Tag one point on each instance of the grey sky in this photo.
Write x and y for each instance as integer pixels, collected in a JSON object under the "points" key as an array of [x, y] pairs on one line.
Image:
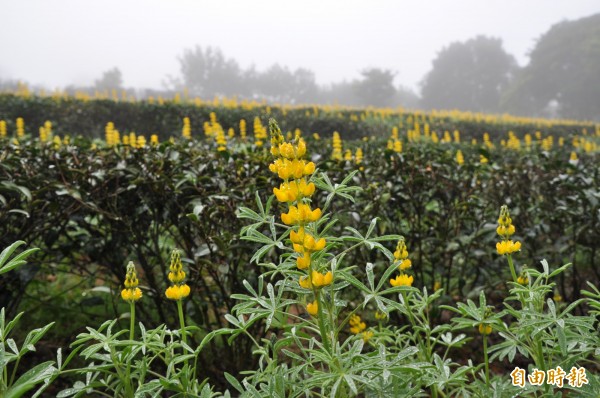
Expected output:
{"points": [[61, 42]]}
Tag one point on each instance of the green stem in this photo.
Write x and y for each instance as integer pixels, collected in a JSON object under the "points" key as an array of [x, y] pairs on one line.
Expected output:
{"points": [[321, 320], [131, 334], [512, 268], [434, 392], [132, 322], [126, 381], [14, 372], [541, 360], [487, 363], [182, 327], [181, 321]]}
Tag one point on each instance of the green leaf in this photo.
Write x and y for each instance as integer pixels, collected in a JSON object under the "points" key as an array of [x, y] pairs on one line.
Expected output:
{"points": [[233, 381], [31, 378]]}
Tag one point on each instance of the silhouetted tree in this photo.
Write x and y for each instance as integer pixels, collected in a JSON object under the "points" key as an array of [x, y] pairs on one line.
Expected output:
{"points": [[208, 73], [564, 69], [376, 87], [110, 80], [469, 76], [406, 97]]}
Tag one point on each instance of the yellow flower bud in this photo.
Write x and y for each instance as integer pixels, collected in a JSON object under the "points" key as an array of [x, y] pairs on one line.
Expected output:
{"points": [[313, 308], [303, 261], [485, 329]]}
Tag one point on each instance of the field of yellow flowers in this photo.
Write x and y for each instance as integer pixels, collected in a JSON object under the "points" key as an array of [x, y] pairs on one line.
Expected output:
{"points": [[190, 248]]}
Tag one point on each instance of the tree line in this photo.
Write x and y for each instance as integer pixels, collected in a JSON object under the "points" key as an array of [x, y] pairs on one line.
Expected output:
{"points": [[478, 75]]}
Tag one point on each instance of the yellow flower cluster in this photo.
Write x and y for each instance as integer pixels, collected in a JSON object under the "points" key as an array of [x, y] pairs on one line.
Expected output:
{"points": [[243, 129], [295, 190], [131, 292], [460, 159], [336, 143], [357, 326], [485, 329], [221, 140], [154, 139], [358, 156], [506, 229], [20, 127], [401, 256], [348, 155], [112, 135], [260, 132], [178, 290], [2, 128], [186, 131]]}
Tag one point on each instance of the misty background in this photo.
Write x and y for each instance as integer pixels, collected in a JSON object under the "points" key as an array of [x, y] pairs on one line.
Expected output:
{"points": [[535, 58]]}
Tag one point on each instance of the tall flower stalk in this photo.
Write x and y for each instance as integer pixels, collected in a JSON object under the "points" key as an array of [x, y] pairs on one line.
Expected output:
{"points": [[296, 191], [131, 294], [506, 246]]}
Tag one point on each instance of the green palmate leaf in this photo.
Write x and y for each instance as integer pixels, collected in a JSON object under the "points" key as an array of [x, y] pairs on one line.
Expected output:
{"points": [[31, 378]]}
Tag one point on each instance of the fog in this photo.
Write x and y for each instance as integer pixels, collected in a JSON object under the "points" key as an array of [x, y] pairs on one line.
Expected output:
{"points": [[67, 42]]}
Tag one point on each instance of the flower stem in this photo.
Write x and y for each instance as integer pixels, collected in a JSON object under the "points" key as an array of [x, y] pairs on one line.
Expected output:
{"points": [[487, 362], [181, 321], [131, 336], [321, 320], [512, 267], [132, 320], [182, 327]]}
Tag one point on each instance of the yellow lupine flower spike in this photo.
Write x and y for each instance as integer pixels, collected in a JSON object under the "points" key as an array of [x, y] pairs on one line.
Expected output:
{"points": [[131, 292], [506, 229], [176, 275]]}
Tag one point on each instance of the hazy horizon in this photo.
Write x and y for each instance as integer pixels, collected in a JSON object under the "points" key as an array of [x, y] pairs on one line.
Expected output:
{"points": [[66, 42]]}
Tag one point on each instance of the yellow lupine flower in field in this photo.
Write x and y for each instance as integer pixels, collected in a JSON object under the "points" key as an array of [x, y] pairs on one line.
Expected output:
{"points": [[292, 191], [358, 156], [348, 155], [186, 130], [460, 159], [311, 244], [176, 275], [508, 247], [485, 329], [304, 282], [356, 324], [312, 308], [303, 262], [506, 229], [177, 292], [2, 128], [20, 127], [402, 280], [573, 157], [319, 280], [154, 139], [401, 252], [300, 214], [296, 168], [131, 292]]}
